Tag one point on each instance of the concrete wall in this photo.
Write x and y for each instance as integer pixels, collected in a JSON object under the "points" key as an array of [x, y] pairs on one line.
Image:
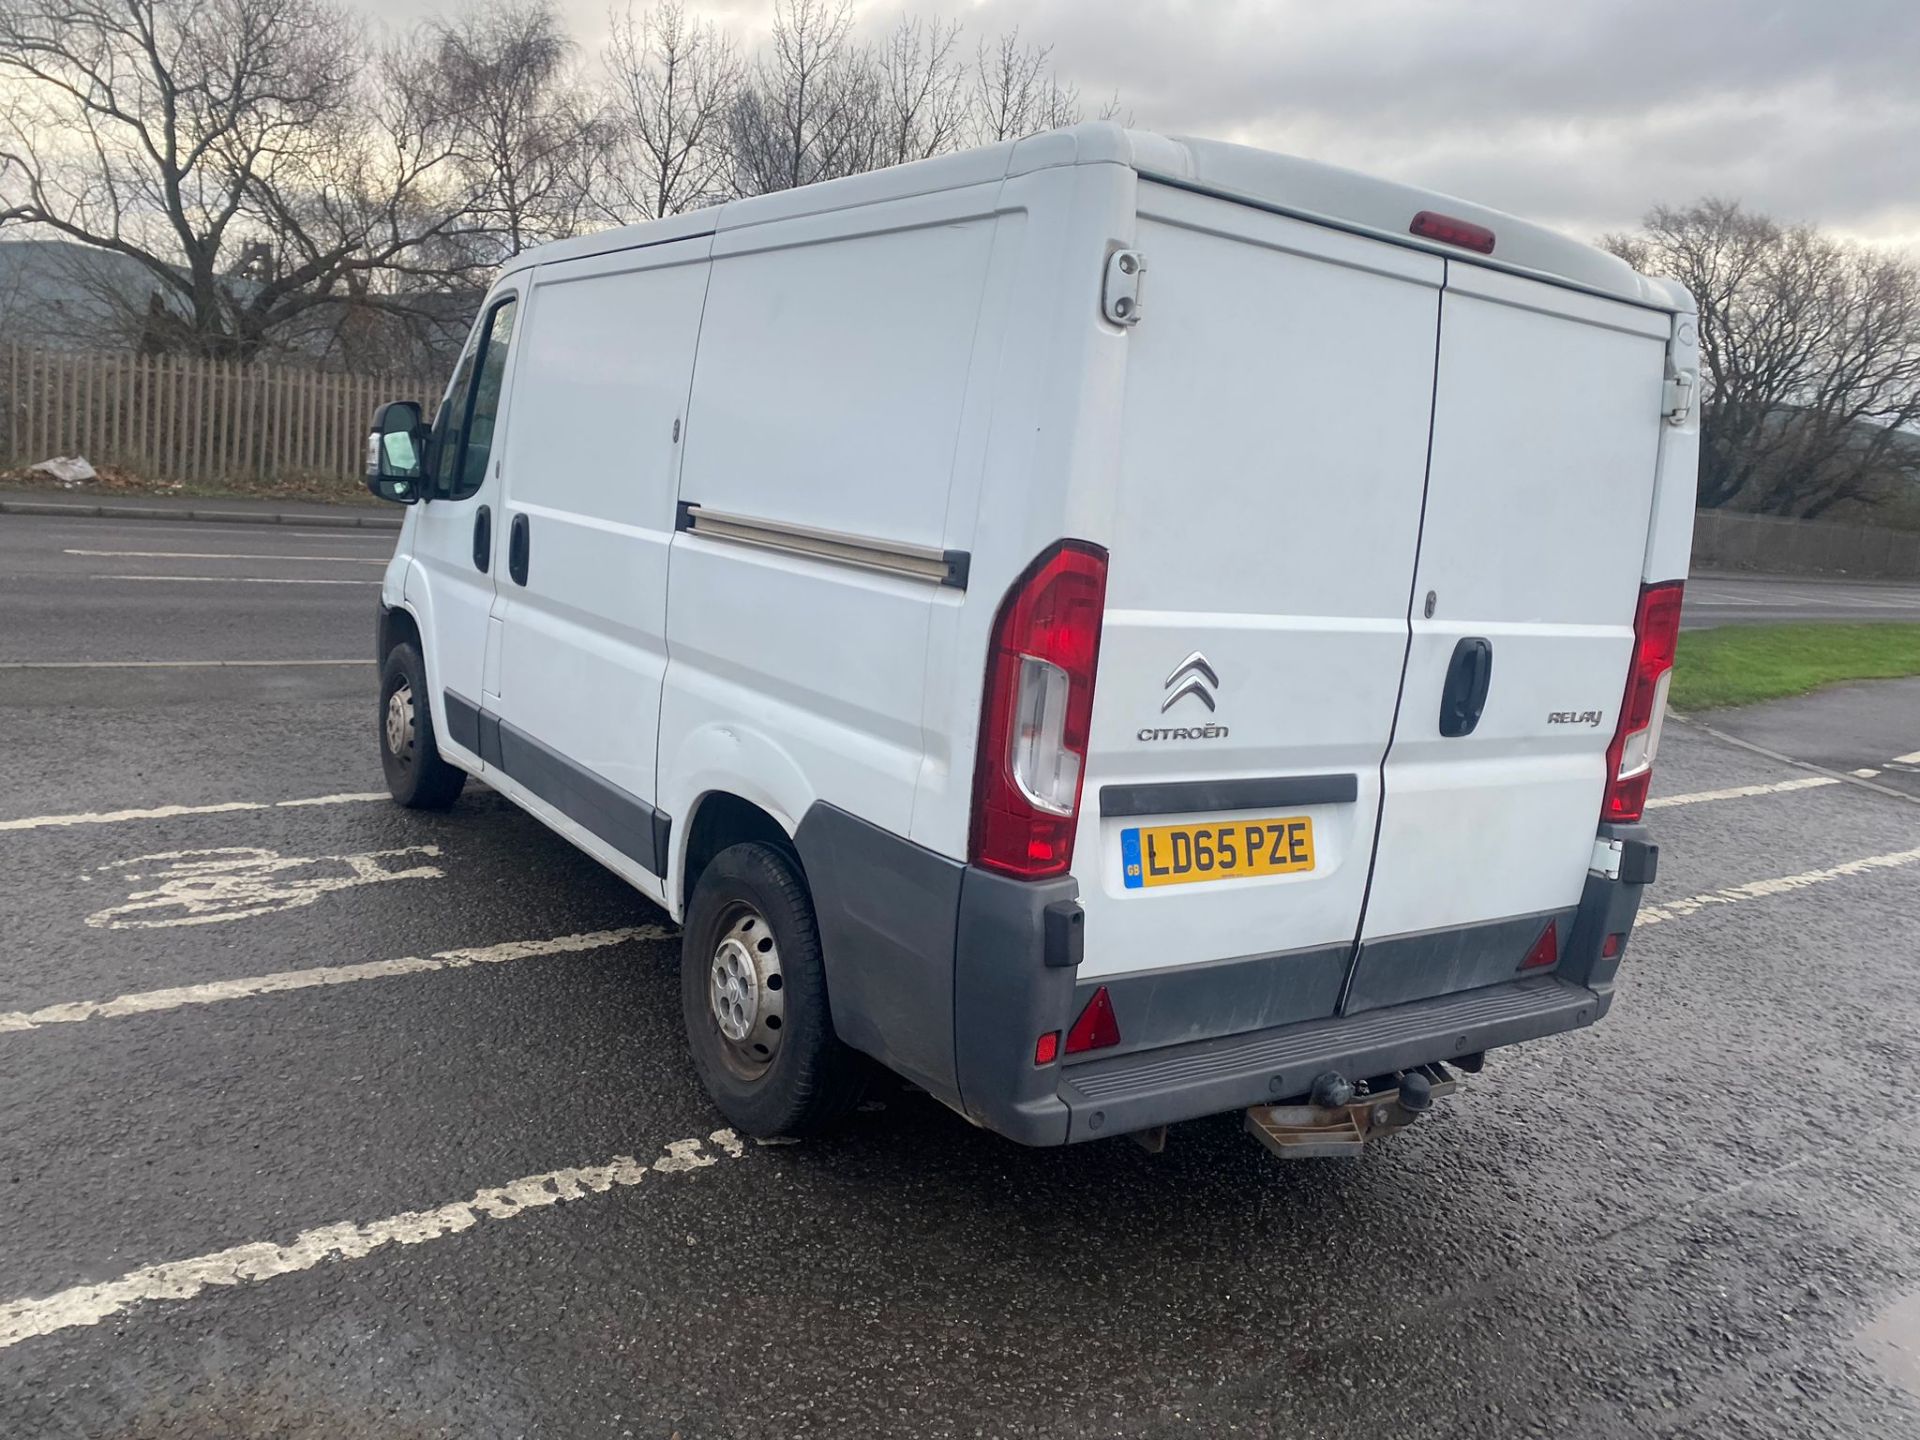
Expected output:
{"points": [[1724, 540]]}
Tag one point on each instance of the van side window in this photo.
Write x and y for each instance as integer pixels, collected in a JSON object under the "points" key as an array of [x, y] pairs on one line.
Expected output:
{"points": [[463, 440]]}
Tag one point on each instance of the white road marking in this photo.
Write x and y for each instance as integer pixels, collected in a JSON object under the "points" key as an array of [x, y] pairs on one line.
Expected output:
{"points": [[1741, 792], [1913, 759], [173, 531], [168, 812], [221, 555], [232, 580], [236, 882], [27, 1318], [214, 992], [1782, 885], [168, 665], [1866, 773]]}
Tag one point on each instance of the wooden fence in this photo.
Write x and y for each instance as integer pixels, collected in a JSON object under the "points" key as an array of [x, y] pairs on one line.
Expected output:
{"points": [[179, 418]]}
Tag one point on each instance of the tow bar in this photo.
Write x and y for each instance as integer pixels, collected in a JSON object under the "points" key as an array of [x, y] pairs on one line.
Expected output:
{"points": [[1340, 1117]]}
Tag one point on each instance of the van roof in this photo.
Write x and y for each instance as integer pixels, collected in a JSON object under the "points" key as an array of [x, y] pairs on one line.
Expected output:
{"points": [[1287, 184]]}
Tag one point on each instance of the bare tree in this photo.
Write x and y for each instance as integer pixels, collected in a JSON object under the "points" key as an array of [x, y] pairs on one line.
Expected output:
{"points": [[810, 106], [222, 146], [526, 132], [1016, 92], [922, 91], [1811, 348], [673, 84], [270, 177]]}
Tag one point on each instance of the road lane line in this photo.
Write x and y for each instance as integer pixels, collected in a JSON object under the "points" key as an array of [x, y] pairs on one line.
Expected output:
{"points": [[214, 992], [1913, 759], [169, 812], [222, 555], [167, 664], [1740, 792], [81, 1305], [232, 580], [1782, 885]]}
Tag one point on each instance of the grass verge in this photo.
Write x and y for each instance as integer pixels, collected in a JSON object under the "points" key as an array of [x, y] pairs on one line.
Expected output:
{"points": [[1742, 664]]}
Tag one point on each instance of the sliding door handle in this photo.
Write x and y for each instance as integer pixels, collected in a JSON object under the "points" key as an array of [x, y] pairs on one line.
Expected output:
{"points": [[519, 543], [483, 538]]}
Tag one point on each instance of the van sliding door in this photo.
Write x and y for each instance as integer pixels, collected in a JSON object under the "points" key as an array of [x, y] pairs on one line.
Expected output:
{"points": [[591, 473]]}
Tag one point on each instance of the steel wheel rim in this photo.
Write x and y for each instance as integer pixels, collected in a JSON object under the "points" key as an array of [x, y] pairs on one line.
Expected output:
{"points": [[746, 992], [400, 722]]}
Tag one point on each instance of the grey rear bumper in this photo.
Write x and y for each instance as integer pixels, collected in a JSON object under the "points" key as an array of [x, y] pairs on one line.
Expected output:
{"points": [[1181, 1082], [949, 975]]}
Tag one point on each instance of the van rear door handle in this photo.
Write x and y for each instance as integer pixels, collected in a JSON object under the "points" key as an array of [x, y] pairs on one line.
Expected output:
{"points": [[483, 538], [1469, 676], [519, 541]]}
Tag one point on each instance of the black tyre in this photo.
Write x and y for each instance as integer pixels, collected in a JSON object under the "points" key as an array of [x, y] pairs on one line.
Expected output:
{"points": [[416, 775], [753, 992]]}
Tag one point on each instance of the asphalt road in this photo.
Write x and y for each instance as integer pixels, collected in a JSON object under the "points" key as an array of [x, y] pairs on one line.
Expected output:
{"points": [[356, 1170], [1868, 732], [1761, 599]]}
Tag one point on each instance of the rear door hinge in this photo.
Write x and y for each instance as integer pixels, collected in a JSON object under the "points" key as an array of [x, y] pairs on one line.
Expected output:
{"points": [[1120, 296], [1676, 397]]}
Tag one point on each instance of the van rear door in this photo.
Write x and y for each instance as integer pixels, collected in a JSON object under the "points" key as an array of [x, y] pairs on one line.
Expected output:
{"points": [[1263, 545], [1546, 431]]}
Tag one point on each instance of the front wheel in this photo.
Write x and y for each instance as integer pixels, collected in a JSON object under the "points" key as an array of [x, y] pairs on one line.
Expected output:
{"points": [[417, 776], [753, 992]]}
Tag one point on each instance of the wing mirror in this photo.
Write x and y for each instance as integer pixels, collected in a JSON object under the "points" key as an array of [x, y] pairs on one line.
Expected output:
{"points": [[397, 453]]}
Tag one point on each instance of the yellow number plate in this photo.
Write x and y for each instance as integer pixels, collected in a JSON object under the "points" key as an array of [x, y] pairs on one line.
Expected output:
{"points": [[1216, 850]]}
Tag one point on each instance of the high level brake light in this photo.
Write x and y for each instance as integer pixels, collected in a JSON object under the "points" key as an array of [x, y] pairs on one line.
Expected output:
{"points": [[1656, 633], [1432, 225], [1037, 712]]}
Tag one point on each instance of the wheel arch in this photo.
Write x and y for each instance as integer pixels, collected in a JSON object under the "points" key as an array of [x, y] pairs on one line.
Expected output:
{"points": [[721, 818], [397, 625]]}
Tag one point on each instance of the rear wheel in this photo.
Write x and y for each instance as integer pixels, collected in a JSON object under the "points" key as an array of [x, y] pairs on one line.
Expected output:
{"points": [[753, 991], [409, 754]]}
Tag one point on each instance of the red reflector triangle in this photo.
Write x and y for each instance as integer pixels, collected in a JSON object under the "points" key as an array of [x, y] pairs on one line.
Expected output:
{"points": [[1096, 1029], [1545, 950]]}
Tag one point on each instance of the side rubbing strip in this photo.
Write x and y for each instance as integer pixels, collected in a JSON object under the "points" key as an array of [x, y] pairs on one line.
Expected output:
{"points": [[1192, 796], [626, 822], [463, 721], [889, 557]]}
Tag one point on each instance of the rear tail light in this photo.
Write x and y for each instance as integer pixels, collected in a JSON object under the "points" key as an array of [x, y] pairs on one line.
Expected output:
{"points": [[1046, 1049], [1037, 712], [1636, 741], [1097, 1028]]}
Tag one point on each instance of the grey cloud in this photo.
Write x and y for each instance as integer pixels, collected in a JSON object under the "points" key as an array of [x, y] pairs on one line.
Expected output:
{"points": [[1581, 113]]}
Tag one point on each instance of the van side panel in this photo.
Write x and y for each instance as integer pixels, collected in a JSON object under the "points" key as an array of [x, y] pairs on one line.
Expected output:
{"points": [[1037, 448], [834, 361]]}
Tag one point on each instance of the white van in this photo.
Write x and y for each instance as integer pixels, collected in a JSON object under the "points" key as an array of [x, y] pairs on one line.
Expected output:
{"points": [[1115, 629]]}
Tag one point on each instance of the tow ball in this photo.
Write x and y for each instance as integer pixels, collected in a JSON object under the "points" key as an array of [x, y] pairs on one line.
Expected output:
{"points": [[1340, 1117]]}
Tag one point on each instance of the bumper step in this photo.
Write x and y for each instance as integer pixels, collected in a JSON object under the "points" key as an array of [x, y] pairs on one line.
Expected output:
{"points": [[1158, 1087]]}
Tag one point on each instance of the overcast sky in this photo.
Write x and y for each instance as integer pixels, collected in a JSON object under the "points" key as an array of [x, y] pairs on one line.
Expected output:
{"points": [[1580, 113]]}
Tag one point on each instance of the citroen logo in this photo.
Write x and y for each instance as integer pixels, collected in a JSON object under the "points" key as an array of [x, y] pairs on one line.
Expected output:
{"points": [[1192, 676]]}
